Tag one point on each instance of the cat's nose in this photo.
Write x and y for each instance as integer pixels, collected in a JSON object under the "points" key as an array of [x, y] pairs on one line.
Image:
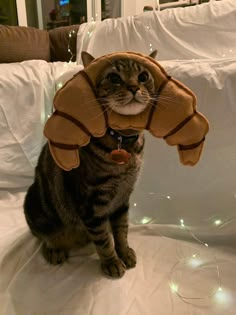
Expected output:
{"points": [[133, 89]]}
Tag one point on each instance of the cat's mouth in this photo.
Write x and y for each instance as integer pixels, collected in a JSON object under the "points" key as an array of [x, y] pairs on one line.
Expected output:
{"points": [[133, 107]]}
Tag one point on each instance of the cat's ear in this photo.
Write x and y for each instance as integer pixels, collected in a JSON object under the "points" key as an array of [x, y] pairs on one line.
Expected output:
{"points": [[153, 54], [86, 58]]}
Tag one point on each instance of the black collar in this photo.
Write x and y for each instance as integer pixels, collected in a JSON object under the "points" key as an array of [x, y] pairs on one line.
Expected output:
{"points": [[121, 138]]}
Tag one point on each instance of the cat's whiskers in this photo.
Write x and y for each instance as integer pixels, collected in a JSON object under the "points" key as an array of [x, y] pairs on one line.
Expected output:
{"points": [[106, 107], [161, 98], [162, 101]]}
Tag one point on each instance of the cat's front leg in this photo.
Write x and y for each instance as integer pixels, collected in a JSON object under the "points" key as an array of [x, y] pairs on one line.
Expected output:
{"points": [[98, 228], [119, 224]]}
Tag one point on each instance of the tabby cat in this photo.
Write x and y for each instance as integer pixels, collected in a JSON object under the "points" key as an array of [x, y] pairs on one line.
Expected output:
{"points": [[91, 202]]}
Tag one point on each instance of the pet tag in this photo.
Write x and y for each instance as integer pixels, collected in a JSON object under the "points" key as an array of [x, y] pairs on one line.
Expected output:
{"points": [[120, 156]]}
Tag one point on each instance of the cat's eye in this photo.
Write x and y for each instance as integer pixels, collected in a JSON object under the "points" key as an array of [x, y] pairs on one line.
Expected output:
{"points": [[143, 77], [114, 78]]}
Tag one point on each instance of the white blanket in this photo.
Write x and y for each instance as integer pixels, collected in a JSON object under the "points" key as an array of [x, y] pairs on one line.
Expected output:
{"points": [[26, 99], [171, 277], [168, 191], [203, 31]]}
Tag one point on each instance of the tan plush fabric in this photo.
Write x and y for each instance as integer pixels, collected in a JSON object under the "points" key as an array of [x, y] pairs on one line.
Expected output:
{"points": [[23, 43], [79, 116]]}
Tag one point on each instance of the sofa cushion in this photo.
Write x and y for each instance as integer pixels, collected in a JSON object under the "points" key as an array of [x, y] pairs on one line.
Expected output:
{"points": [[60, 42], [23, 43]]}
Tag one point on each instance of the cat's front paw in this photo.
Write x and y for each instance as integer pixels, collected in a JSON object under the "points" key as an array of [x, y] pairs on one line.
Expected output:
{"points": [[128, 257], [55, 256], [115, 268]]}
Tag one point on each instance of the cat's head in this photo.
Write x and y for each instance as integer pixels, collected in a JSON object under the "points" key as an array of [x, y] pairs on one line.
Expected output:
{"points": [[126, 86]]}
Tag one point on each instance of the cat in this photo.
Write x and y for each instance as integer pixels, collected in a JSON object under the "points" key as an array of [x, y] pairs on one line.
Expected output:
{"points": [[90, 203]]}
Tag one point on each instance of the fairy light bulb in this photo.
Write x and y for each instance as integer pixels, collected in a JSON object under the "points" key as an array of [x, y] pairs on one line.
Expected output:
{"points": [[174, 287], [218, 222], [222, 297], [59, 85], [195, 261], [146, 220], [182, 223]]}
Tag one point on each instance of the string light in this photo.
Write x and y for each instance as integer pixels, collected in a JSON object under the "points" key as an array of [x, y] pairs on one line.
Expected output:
{"points": [[195, 261], [182, 223], [72, 33], [146, 220], [219, 295], [59, 85], [159, 195], [222, 297], [174, 287], [191, 233], [148, 28], [218, 222]]}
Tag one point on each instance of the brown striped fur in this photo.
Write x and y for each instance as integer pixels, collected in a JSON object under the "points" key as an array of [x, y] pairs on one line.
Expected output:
{"points": [[64, 209]]}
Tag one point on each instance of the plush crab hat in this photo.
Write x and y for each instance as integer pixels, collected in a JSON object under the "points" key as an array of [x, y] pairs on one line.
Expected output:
{"points": [[73, 123]]}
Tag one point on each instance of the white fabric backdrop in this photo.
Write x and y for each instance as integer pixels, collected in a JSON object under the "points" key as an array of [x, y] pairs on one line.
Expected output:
{"points": [[204, 31], [168, 191], [30, 286], [26, 97]]}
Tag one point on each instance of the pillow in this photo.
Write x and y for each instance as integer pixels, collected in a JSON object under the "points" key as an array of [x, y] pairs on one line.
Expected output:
{"points": [[59, 41], [26, 94], [23, 43]]}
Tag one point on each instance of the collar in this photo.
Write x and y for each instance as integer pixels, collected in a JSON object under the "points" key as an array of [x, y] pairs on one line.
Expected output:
{"points": [[121, 138]]}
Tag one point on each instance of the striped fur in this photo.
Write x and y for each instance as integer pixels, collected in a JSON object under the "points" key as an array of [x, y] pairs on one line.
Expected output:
{"points": [[89, 203]]}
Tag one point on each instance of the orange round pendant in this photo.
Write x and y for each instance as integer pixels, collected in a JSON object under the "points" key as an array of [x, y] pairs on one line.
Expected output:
{"points": [[120, 156]]}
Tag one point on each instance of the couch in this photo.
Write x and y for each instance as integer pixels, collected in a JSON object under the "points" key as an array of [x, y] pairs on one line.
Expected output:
{"points": [[26, 43]]}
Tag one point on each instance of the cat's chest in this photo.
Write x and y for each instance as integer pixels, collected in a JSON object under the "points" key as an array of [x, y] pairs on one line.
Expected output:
{"points": [[115, 186], [118, 190]]}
